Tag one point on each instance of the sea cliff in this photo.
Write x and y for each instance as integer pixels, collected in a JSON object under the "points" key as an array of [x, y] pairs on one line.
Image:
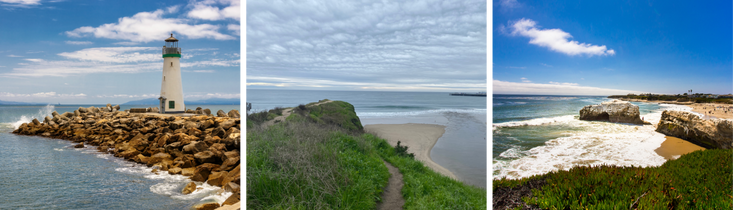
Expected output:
{"points": [[613, 111], [205, 148], [708, 133]]}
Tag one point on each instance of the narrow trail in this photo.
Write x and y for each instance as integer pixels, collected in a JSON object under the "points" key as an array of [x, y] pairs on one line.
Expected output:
{"points": [[286, 113], [392, 194]]}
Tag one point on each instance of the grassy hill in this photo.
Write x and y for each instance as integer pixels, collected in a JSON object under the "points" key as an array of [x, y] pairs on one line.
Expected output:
{"points": [[320, 158]]}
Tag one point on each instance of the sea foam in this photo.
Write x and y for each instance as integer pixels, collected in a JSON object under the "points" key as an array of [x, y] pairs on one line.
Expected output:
{"points": [[597, 143]]}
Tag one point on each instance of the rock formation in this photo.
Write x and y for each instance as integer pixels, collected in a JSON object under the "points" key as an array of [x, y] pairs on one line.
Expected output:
{"points": [[205, 148], [712, 133], [613, 111]]}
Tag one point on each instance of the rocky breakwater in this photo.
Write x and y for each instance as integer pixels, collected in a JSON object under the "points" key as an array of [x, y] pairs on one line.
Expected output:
{"points": [[612, 111], [709, 133], [204, 148]]}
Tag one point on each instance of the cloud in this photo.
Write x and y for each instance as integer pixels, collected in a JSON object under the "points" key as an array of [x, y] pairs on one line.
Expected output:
{"points": [[115, 54], [554, 88], [350, 44], [127, 96], [78, 42], [234, 28], [525, 79], [212, 95], [509, 4], [20, 3], [556, 39], [5, 95], [126, 43], [208, 10], [547, 65], [15, 56], [150, 26], [326, 83], [203, 71]]}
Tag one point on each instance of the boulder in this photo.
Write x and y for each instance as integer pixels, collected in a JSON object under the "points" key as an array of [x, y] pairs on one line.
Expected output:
{"points": [[708, 133], [203, 171], [216, 178], [233, 113], [231, 200], [116, 107], [80, 145], [612, 111], [207, 112], [207, 206], [174, 170], [188, 171], [221, 113], [195, 147], [157, 158], [190, 187], [185, 161], [205, 157]]}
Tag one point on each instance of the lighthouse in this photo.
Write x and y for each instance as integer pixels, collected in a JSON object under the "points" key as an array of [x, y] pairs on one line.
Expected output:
{"points": [[171, 88]]}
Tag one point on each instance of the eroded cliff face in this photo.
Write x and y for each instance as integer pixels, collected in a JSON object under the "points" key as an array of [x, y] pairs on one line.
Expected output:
{"points": [[712, 133], [613, 111]]}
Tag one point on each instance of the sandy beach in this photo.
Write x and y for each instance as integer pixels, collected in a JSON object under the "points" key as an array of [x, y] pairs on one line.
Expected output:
{"points": [[673, 147], [724, 111], [420, 139]]}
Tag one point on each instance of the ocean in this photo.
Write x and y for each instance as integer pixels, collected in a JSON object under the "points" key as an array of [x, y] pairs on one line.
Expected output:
{"points": [[45, 173], [461, 149], [535, 134]]}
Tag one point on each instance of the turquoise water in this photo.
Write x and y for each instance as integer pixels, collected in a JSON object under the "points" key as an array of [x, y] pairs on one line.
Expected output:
{"points": [[461, 149], [535, 134], [45, 173]]}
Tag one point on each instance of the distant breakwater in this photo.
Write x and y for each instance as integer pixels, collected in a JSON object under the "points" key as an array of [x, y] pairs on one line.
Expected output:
{"points": [[202, 147]]}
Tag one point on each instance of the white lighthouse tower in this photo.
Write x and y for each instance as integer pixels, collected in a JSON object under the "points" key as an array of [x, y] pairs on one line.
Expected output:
{"points": [[171, 89]]}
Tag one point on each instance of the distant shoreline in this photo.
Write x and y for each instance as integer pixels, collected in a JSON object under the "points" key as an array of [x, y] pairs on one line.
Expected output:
{"points": [[701, 108]]}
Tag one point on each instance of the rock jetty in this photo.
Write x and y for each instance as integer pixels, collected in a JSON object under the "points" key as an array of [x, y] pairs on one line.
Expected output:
{"points": [[612, 111], [204, 148], [709, 133]]}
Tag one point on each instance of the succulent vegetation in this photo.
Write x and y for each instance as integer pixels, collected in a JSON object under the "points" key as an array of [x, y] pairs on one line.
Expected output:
{"points": [[698, 180]]}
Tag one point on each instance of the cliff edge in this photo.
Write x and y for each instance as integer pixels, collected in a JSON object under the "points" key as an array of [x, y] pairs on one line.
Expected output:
{"points": [[712, 133]]}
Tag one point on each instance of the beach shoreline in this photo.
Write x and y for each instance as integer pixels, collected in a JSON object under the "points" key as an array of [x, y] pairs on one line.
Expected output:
{"points": [[673, 147], [420, 139], [700, 108]]}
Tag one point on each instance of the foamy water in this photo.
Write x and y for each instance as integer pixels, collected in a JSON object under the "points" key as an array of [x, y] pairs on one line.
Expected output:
{"points": [[573, 142]]}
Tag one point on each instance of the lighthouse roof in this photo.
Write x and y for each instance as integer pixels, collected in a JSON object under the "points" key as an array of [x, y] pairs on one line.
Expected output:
{"points": [[171, 39]]}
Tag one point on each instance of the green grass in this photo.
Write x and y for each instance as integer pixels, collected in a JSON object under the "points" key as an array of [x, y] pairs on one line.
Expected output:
{"points": [[302, 165], [698, 180], [319, 158]]}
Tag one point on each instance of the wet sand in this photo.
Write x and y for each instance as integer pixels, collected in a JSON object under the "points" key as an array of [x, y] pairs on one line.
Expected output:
{"points": [[673, 147], [419, 138]]}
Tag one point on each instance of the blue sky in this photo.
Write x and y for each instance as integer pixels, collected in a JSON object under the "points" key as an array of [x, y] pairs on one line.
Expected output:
{"points": [[104, 51], [421, 45], [612, 47]]}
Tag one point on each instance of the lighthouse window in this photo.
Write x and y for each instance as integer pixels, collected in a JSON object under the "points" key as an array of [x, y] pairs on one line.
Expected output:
{"points": [[163, 78], [171, 64], [171, 104]]}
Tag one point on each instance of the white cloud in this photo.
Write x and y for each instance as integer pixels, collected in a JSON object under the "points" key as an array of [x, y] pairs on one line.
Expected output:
{"points": [[127, 96], [115, 54], [234, 28], [546, 65], [15, 56], [509, 4], [212, 95], [503, 87], [21, 2], [430, 44], [525, 79], [40, 95], [126, 43], [563, 83], [294, 82], [78, 42], [203, 71], [556, 39], [150, 26], [207, 10]]}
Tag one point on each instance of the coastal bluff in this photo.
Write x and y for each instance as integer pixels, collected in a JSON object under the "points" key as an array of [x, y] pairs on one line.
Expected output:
{"points": [[612, 111], [708, 133], [202, 147]]}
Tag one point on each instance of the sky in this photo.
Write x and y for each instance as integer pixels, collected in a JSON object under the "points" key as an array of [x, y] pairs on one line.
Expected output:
{"points": [[105, 51], [612, 47], [423, 45]]}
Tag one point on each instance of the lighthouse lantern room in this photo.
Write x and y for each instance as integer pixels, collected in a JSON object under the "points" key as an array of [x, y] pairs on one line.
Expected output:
{"points": [[171, 88]]}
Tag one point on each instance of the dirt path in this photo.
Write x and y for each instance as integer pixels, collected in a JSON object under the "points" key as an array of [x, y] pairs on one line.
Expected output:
{"points": [[392, 195], [285, 115]]}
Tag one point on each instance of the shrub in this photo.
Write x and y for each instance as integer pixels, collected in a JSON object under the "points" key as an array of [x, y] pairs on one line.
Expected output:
{"points": [[402, 151]]}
